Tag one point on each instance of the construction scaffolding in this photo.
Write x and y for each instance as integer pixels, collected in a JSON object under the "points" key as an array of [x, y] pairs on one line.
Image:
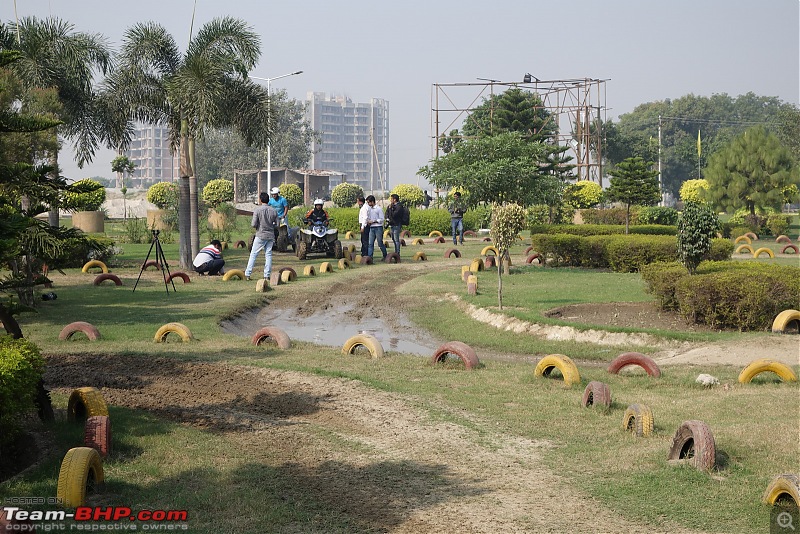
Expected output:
{"points": [[577, 106]]}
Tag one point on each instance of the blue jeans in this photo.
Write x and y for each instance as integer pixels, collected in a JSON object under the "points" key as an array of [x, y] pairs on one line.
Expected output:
{"points": [[259, 244], [457, 226], [396, 230], [376, 232]]}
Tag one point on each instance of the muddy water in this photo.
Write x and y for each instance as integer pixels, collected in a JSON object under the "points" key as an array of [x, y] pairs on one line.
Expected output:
{"points": [[334, 326]]}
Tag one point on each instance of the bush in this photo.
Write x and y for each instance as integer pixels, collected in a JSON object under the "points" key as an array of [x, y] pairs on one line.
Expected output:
{"points": [[543, 214], [345, 194], [583, 194], [778, 224], [217, 191], [135, 230], [693, 190], [21, 368], [609, 216], [410, 195], [721, 250], [561, 250], [740, 298], [627, 254], [595, 251], [164, 195], [658, 215], [293, 194], [423, 222], [696, 228], [660, 280], [476, 218], [85, 195], [601, 229]]}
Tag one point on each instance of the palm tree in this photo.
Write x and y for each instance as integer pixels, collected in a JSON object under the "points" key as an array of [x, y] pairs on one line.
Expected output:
{"points": [[206, 87], [53, 55]]}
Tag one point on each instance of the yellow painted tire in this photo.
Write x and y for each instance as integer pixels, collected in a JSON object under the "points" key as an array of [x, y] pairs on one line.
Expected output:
{"points": [[743, 249], [418, 241], [350, 248], [489, 248], [563, 363], [782, 487], [364, 340], [85, 402], [476, 265], [763, 365], [262, 285], [420, 256], [435, 233], [784, 319], [742, 239], [309, 270], [286, 277], [94, 263], [349, 235], [233, 273], [344, 263], [81, 470], [173, 328], [765, 250], [638, 419], [325, 267]]}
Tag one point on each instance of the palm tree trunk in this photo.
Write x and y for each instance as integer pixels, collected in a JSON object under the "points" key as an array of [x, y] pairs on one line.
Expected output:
{"points": [[52, 216], [194, 210], [185, 248]]}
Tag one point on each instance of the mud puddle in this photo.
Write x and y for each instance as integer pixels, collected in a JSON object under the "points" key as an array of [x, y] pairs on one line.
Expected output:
{"points": [[333, 326]]}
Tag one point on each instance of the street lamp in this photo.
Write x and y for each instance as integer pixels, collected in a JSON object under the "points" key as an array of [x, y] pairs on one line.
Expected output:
{"points": [[269, 121]]}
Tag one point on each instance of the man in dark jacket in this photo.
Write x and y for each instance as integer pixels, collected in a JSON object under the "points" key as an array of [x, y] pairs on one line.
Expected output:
{"points": [[396, 216]]}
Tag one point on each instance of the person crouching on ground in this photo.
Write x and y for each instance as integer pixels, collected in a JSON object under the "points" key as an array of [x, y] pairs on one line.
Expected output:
{"points": [[209, 259], [265, 221]]}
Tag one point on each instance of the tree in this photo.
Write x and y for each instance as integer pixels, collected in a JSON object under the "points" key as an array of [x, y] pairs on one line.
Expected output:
{"points": [[633, 182], [514, 110], [122, 165], [507, 222], [697, 225], [752, 171], [205, 87], [52, 54], [502, 168]]}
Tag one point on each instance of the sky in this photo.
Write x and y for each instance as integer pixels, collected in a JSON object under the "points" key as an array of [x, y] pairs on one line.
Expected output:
{"points": [[648, 50]]}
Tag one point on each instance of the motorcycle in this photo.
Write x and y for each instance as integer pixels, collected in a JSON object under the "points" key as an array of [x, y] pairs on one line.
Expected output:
{"points": [[319, 239]]}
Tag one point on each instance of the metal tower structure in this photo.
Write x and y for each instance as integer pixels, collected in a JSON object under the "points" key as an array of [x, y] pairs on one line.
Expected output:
{"points": [[577, 106]]}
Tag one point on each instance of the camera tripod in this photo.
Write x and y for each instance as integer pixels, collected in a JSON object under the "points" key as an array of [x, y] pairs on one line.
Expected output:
{"points": [[161, 262]]}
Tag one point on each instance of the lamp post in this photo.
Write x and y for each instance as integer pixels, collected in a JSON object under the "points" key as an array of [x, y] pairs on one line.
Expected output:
{"points": [[269, 121]]}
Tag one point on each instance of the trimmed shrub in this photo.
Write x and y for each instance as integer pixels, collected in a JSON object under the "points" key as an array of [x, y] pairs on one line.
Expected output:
{"points": [[696, 228], [739, 298], [476, 218], [423, 222], [693, 190], [594, 254], [217, 191], [164, 195], [293, 194], [410, 195], [601, 229], [609, 216], [627, 254], [542, 214], [345, 194], [658, 215], [583, 194], [561, 250], [721, 250], [778, 224], [21, 368], [85, 195], [660, 279]]}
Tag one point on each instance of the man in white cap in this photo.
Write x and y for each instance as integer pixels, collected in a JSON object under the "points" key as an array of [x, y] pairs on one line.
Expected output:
{"points": [[278, 202]]}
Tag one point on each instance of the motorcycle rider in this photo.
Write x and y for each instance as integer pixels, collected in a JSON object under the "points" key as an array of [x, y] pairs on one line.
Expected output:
{"points": [[278, 202], [317, 214]]}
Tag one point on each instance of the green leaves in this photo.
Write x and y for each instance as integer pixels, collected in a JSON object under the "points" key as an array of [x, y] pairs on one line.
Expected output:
{"points": [[164, 195], [85, 195], [345, 194], [696, 227], [218, 191]]}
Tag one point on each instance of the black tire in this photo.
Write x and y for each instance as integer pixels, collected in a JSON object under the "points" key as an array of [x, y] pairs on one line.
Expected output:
{"points": [[282, 243], [302, 250], [338, 253], [44, 406]]}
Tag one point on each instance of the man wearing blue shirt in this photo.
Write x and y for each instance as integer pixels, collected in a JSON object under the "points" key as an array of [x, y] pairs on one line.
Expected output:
{"points": [[278, 202]]}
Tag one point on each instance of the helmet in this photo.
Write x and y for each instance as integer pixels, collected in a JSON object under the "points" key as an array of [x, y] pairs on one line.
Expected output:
{"points": [[274, 191], [319, 201]]}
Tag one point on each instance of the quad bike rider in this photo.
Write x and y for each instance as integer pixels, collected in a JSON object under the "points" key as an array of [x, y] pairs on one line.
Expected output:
{"points": [[319, 238], [286, 236]]}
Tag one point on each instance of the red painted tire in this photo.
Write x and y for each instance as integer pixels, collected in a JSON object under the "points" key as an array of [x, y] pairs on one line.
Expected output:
{"points": [[89, 329], [793, 248], [97, 434], [457, 348], [469, 233], [752, 236], [487, 238], [439, 239], [466, 274], [693, 441], [527, 251], [405, 233], [596, 394], [240, 244], [634, 358], [783, 239], [100, 278], [451, 252], [535, 256], [490, 261], [151, 263], [277, 335], [366, 260], [178, 274], [392, 257]]}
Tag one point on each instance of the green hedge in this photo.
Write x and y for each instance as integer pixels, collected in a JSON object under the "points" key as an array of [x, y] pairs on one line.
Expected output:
{"points": [[21, 368], [602, 229], [725, 294], [627, 254]]}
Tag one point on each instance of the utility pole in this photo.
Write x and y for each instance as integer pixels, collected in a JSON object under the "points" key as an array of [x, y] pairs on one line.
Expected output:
{"points": [[660, 184]]}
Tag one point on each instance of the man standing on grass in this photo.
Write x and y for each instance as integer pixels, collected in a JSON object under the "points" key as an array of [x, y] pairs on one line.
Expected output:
{"points": [[265, 221], [396, 215], [374, 224], [362, 224], [457, 210]]}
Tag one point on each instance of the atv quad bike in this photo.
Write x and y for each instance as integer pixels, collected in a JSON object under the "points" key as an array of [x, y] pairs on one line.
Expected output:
{"points": [[319, 239], [286, 237]]}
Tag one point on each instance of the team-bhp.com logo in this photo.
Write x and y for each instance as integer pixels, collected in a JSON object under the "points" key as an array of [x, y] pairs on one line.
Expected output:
{"points": [[88, 518]]}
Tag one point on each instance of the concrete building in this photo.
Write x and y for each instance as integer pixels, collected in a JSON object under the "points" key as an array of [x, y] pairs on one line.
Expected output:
{"points": [[150, 151], [355, 139]]}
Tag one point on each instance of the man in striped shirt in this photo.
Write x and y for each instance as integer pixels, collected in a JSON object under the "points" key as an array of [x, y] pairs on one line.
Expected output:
{"points": [[209, 259]]}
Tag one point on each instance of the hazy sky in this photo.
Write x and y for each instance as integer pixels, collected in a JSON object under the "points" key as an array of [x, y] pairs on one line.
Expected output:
{"points": [[648, 50]]}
